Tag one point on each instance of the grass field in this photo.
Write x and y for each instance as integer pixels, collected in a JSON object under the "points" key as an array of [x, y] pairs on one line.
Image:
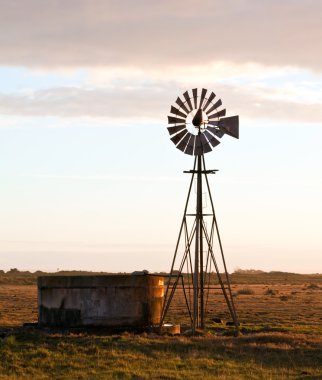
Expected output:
{"points": [[281, 325]]}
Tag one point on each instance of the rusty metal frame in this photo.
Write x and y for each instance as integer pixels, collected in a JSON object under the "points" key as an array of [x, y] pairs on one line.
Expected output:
{"points": [[197, 275]]}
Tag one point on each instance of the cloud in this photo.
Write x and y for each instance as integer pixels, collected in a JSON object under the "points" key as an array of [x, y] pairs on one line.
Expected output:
{"points": [[152, 101], [79, 102], [126, 33], [139, 55]]}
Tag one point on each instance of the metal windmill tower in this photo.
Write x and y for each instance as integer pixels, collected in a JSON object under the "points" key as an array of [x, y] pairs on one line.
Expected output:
{"points": [[196, 124]]}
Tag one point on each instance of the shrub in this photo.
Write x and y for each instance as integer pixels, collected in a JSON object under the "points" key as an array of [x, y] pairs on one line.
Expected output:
{"points": [[313, 286], [10, 340], [245, 291], [270, 292]]}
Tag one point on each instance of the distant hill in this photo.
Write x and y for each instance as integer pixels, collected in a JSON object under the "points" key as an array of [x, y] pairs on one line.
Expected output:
{"points": [[251, 276], [240, 276], [17, 277]]}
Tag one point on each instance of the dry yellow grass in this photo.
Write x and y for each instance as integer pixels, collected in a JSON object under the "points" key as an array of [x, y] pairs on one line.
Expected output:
{"points": [[289, 305], [282, 304], [18, 304]]}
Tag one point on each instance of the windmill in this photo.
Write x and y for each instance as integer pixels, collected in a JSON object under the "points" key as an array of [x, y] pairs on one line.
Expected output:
{"points": [[197, 122]]}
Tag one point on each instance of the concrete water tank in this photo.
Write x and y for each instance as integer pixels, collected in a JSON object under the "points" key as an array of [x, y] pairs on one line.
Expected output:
{"points": [[114, 300]]}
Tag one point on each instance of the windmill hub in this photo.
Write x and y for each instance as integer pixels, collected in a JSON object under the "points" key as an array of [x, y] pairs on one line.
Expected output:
{"points": [[198, 118]]}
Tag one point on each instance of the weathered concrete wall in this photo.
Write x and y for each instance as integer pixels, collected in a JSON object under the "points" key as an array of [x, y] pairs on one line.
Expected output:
{"points": [[116, 300]]}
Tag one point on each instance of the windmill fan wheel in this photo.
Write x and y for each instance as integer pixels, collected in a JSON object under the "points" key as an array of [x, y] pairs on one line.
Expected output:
{"points": [[198, 121]]}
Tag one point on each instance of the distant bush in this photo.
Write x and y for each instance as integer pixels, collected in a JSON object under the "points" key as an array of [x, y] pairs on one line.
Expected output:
{"points": [[284, 298], [245, 291], [270, 292], [13, 271], [248, 271], [313, 287]]}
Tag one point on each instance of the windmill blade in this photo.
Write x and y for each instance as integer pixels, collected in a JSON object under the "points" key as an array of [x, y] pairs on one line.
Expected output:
{"points": [[213, 122], [213, 141], [230, 126], [205, 144], [182, 105], [176, 129], [198, 146], [175, 120], [217, 114], [195, 96], [215, 106], [216, 132], [190, 145], [186, 96], [183, 143], [202, 98], [219, 133], [176, 138], [209, 100], [176, 112]]}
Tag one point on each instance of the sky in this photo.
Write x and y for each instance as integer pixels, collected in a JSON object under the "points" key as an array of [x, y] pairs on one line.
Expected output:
{"points": [[89, 177]]}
